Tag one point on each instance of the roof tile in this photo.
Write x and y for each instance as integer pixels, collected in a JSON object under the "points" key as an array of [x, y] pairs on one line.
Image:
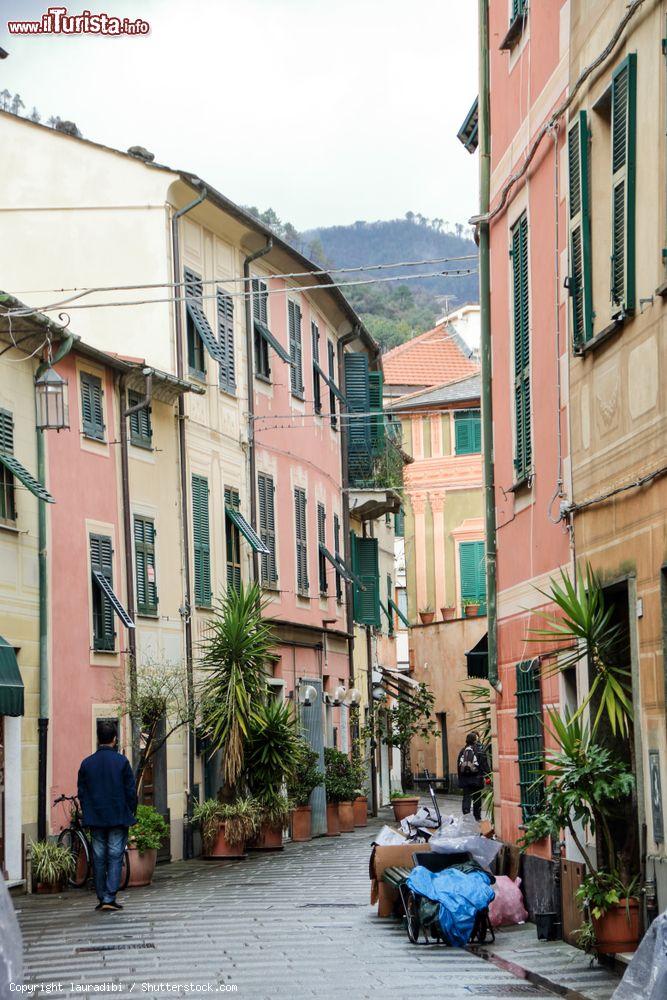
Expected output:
{"points": [[432, 358]]}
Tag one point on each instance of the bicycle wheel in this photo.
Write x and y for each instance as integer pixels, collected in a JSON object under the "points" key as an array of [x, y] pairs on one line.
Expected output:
{"points": [[412, 918], [125, 870], [77, 845]]}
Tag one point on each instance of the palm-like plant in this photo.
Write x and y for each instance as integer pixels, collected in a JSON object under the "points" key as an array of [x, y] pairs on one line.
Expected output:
{"points": [[584, 625], [234, 654], [273, 749]]}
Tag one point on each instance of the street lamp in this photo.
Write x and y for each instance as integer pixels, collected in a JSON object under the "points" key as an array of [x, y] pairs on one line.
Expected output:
{"points": [[352, 698], [52, 399]]}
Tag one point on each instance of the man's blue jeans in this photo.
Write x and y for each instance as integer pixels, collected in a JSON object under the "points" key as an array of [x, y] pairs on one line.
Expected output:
{"points": [[109, 844]]}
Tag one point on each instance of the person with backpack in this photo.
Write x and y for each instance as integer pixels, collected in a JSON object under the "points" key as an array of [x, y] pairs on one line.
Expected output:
{"points": [[472, 767]]}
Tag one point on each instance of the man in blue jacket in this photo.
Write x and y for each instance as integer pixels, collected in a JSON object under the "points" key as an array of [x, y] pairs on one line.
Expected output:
{"points": [[108, 797]]}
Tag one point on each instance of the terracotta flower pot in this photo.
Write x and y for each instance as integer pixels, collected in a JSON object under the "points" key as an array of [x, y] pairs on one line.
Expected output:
{"points": [[222, 849], [618, 930], [448, 614], [404, 807], [426, 617], [49, 888], [471, 610], [333, 824], [142, 866], [346, 817], [270, 838], [360, 810], [301, 824]]}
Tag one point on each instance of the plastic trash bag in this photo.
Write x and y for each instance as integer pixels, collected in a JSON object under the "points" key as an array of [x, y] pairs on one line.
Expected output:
{"points": [[507, 908], [11, 950], [482, 849], [461, 895], [423, 819], [646, 976], [387, 837]]}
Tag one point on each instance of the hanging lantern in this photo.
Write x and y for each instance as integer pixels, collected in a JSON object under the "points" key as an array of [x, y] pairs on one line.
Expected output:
{"points": [[52, 401]]}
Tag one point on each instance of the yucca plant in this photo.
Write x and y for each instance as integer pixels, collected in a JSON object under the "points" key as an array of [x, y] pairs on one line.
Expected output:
{"points": [[234, 656], [583, 627], [273, 748], [51, 864]]}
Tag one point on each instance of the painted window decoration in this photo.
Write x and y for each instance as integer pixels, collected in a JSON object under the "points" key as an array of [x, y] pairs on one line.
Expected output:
{"points": [[472, 569], [623, 142], [322, 540], [302, 584], [267, 529], [295, 348], [260, 309], [92, 406], [523, 454], [331, 358], [530, 736], [366, 573], [101, 562], [467, 432], [227, 365], [144, 556], [232, 540], [202, 541], [579, 280], [141, 427]]}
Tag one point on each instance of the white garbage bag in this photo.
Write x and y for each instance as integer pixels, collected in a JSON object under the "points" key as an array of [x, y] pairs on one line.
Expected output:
{"points": [[11, 951], [388, 837], [482, 849], [646, 976]]}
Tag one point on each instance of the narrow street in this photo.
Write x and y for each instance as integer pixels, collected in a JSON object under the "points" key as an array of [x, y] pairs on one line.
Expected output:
{"points": [[294, 924]]}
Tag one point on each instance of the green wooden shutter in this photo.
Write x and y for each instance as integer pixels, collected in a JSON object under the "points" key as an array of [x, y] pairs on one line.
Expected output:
{"points": [[233, 540], [202, 543], [365, 566], [580, 283], [6, 432], [623, 143], [302, 582], [357, 393], [472, 566], [322, 540], [375, 384], [267, 528], [92, 410], [295, 348], [530, 737], [467, 432], [227, 367], [399, 523], [518, 8], [141, 428], [7, 497], [101, 560], [144, 554], [522, 411]]}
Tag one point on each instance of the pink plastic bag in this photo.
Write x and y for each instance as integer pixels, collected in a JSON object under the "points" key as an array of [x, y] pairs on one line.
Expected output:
{"points": [[507, 907]]}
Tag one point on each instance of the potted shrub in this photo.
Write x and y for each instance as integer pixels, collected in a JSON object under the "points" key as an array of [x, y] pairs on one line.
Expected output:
{"points": [[272, 818], [359, 798], [471, 608], [51, 866], [225, 826], [272, 753], [339, 784], [304, 780], [613, 908], [143, 843], [426, 614], [403, 805], [448, 613]]}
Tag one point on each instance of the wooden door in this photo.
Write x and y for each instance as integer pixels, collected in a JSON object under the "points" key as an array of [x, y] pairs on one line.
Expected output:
{"points": [[571, 876]]}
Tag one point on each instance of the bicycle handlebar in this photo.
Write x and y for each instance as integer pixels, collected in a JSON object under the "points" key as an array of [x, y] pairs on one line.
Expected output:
{"points": [[65, 798]]}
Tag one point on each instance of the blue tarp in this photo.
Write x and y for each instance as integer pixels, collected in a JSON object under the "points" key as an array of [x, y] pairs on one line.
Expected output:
{"points": [[461, 895]]}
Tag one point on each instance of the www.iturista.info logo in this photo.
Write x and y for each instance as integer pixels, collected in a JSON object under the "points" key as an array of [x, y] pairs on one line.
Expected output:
{"points": [[56, 21]]}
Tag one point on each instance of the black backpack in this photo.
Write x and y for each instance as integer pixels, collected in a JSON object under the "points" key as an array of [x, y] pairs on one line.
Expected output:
{"points": [[468, 762]]}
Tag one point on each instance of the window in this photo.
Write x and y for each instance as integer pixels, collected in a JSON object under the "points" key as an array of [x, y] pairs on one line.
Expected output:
{"points": [[301, 541], [322, 540], [144, 557], [260, 299], [402, 595], [518, 8], [579, 281], [317, 385], [529, 736], [92, 411], [518, 14], [623, 135], [366, 571], [467, 432], [295, 348], [7, 498], [101, 561], [227, 367], [202, 542], [232, 540], [331, 356], [399, 523], [523, 455], [196, 349], [390, 601], [141, 429], [472, 565], [267, 529], [336, 528]]}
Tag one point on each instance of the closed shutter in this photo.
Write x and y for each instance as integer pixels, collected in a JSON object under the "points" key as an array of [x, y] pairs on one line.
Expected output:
{"points": [[375, 383], [267, 528], [357, 393], [522, 412], [472, 566], [6, 432], [530, 737], [623, 140], [141, 429], [92, 410], [232, 541], [202, 544], [227, 367], [101, 561], [302, 583], [580, 284], [322, 540], [331, 357], [317, 385], [144, 552], [295, 348], [365, 566], [467, 432]]}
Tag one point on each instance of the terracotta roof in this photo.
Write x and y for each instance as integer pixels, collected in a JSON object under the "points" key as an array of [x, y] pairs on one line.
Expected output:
{"points": [[432, 358]]}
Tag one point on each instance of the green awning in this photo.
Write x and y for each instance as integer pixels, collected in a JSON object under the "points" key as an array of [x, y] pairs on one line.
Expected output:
{"points": [[330, 382], [247, 530], [12, 463], [11, 685], [263, 330]]}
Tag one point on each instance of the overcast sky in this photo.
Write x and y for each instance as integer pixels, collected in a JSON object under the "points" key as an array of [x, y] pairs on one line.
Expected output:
{"points": [[327, 110]]}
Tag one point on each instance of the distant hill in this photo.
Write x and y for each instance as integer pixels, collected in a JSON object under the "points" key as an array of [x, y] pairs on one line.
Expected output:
{"points": [[393, 311]]}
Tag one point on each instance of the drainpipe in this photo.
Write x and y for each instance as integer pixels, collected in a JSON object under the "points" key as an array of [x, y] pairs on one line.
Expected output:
{"points": [[43, 721], [250, 378], [486, 356], [183, 470], [126, 412]]}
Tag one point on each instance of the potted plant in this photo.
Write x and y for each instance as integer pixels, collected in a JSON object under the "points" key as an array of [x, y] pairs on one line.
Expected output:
{"points": [[226, 826], [272, 753], [339, 784], [448, 613], [272, 818], [304, 780], [403, 805], [51, 866], [426, 614], [613, 908], [359, 797], [143, 843], [470, 608]]}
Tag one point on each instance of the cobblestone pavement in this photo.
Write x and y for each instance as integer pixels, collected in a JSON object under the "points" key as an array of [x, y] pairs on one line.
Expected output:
{"points": [[292, 924]]}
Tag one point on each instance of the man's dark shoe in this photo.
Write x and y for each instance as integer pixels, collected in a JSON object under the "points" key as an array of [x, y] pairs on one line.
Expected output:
{"points": [[112, 906], [99, 905]]}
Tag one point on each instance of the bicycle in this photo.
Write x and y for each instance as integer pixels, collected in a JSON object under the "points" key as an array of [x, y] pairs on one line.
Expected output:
{"points": [[74, 838]]}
